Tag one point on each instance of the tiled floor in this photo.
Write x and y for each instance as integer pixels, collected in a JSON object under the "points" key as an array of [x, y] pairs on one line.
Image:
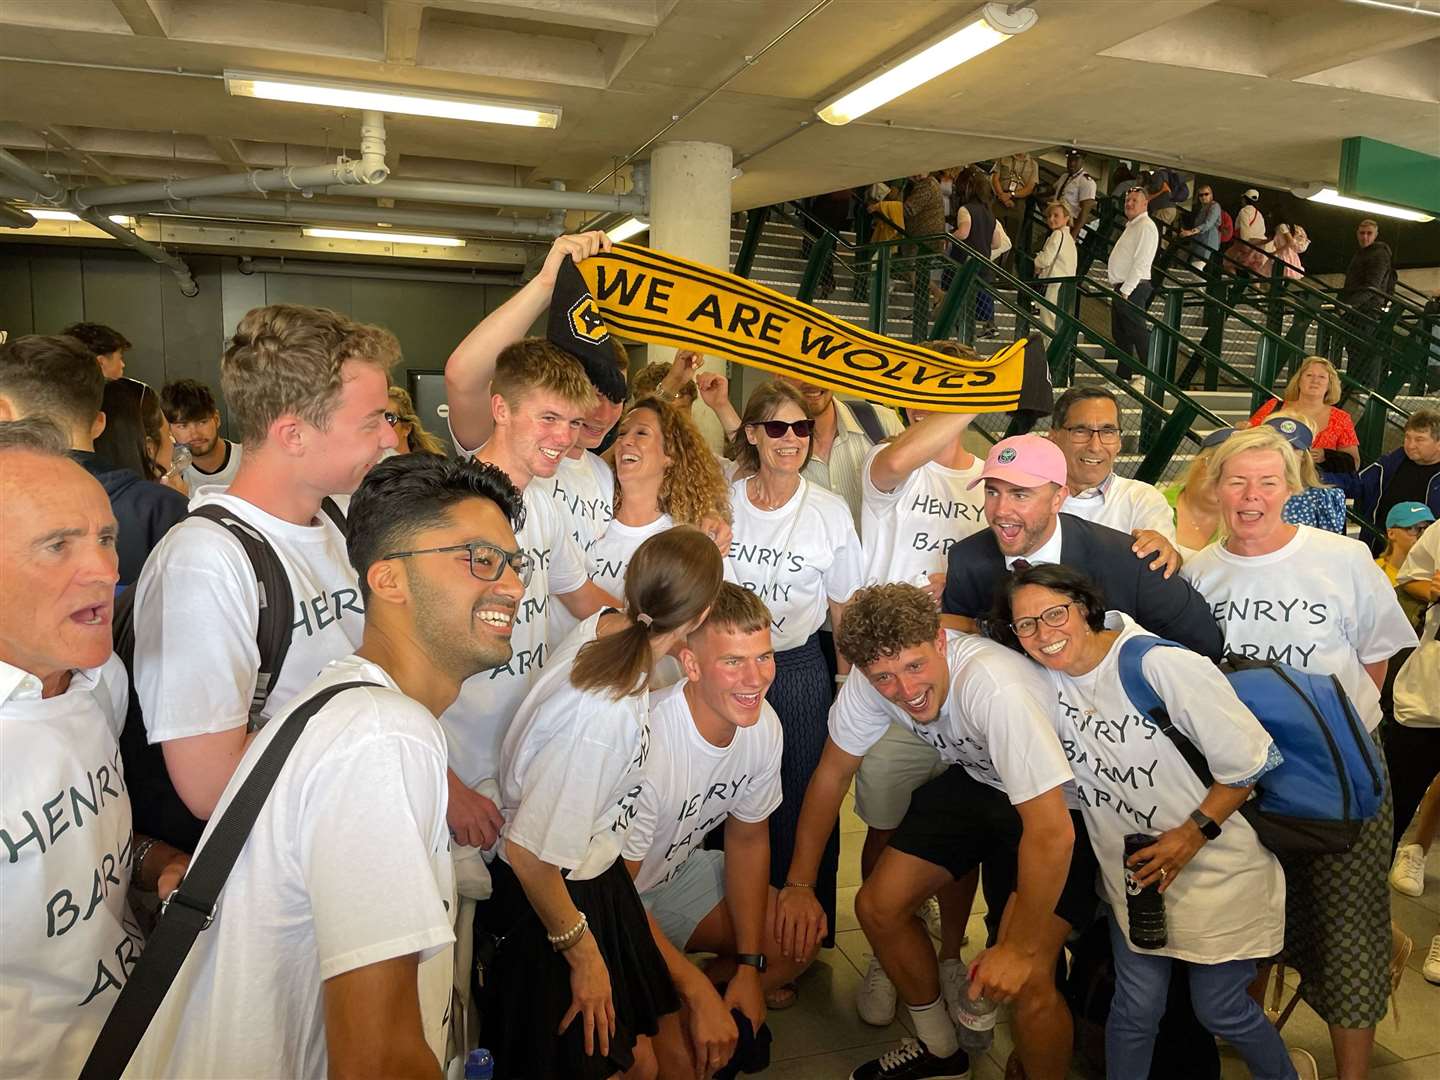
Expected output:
{"points": [[822, 1038]]}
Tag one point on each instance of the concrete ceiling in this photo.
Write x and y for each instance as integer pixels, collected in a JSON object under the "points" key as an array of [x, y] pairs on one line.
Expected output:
{"points": [[1261, 90]]}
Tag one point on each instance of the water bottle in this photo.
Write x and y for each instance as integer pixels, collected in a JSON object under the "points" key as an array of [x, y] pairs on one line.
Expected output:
{"points": [[974, 1021], [479, 1065], [1145, 906]]}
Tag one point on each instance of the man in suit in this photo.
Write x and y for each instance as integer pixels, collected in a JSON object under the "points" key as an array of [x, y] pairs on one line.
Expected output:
{"points": [[1025, 487]]}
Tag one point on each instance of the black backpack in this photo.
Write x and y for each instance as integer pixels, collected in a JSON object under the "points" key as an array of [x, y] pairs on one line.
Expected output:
{"points": [[157, 809]]}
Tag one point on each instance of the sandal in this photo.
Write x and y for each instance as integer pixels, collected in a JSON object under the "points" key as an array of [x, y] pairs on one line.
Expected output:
{"points": [[782, 997]]}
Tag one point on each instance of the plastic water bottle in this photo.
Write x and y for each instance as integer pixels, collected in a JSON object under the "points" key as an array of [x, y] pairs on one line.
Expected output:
{"points": [[975, 1021], [479, 1065], [1145, 907]]}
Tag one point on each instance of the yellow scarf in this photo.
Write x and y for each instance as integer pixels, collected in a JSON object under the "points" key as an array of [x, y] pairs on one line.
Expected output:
{"points": [[655, 297]]}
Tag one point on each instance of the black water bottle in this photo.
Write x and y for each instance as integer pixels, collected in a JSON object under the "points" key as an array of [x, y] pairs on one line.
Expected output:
{"points": [[1145, 906]]}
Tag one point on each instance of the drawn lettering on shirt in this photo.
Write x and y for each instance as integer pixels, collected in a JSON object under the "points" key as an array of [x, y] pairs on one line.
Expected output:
{"points": [[596, 509], [704, 810], [1234, 615], [63, 910], [1102, 781], [760, 555], [965, 750], [923, 541], [949, 509], [609, 570], [320, 611], [74, 806], [112, 976], [522, 662]]}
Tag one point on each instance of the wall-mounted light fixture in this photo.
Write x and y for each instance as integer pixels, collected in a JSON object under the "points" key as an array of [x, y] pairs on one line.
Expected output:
{"points": [[382, 237]]}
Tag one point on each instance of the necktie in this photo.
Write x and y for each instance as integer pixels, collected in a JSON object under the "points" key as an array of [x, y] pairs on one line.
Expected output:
{"points": [[1018, 565]]}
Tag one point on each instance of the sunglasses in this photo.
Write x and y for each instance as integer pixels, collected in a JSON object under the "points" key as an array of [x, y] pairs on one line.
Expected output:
{"points": [[776, 429]]}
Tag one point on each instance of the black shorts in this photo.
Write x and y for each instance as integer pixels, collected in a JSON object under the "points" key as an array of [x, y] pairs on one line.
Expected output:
{"points": [[958, 823]]}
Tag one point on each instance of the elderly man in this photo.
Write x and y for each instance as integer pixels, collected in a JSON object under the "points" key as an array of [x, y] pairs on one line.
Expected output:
{"points": [[1128, 272], [69, 854]]}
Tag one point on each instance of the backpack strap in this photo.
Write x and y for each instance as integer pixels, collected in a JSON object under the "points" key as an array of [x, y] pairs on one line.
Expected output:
{"points": [[277, 599], [1143, 696], [191, 908], [868, 419], [332, 510]]}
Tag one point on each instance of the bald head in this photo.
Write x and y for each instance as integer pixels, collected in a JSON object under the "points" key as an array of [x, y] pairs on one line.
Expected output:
{"points": [[59, 565]]}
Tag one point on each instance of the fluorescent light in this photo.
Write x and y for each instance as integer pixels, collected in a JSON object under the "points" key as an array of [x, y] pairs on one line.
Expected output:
{"points": [[343, 95], [1408, 9], [66, 215], [626, 229], [990, 26], [1331, 197], [385, 237]]}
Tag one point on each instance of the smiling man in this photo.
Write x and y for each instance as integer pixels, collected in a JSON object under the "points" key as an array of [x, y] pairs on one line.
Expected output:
{"points": [[715, 747], [1025, 479], [523, 403], [364, 988], [66, 847], [998, 804], [308, 392]]}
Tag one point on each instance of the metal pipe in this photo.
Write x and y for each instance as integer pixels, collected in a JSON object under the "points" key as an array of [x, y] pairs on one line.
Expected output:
{"points": [[154, 252], [396, 273], [44, 188], [366, 173], [490, 195], [11, 218], [311, 212]]}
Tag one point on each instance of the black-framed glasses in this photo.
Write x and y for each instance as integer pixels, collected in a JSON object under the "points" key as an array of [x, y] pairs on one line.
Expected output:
{"points": [[1051, 616], [391, 418], [1082, 433], [487, 562], [776, 428]]}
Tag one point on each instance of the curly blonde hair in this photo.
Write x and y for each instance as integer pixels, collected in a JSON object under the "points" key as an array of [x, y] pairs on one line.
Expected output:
{"points": [[884, 620], [693, 485]]}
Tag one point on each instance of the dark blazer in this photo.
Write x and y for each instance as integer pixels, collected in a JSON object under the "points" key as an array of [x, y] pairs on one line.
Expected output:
{"points": [[1169, 609]]}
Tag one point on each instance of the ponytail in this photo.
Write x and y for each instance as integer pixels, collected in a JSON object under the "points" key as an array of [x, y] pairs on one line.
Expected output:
{"points": [[671, 582]]}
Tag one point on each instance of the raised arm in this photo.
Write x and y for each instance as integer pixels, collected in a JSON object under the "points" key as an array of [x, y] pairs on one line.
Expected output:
{"points": [[472, 364], [922, 441]]}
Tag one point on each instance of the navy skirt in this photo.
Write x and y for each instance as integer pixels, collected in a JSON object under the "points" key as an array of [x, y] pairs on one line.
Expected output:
{"points": [[801, 696]]}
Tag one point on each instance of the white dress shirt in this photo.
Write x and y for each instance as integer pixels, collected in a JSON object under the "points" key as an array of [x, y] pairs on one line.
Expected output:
{"points": [[1133, 253], [841, 471], [1124, 504]]}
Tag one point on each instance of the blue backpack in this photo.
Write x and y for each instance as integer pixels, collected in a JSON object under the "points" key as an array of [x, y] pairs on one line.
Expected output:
{"points": [[1314, 802]]}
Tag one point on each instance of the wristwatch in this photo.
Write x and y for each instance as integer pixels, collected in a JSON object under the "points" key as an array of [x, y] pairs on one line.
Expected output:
{"points": [[1208, 828], [753, 959]]}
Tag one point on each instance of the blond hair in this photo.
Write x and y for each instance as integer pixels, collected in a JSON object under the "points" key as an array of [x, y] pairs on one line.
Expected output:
{"points": [[421, 441], [287, 359], [1258, 438], [1056, 204], [736, 609], [534, 364], [693, 484], [1292, 388]]}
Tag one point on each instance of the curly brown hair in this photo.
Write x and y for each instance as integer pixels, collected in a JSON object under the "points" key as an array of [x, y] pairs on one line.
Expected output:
{"points": [[883, 620], [693, 485]]}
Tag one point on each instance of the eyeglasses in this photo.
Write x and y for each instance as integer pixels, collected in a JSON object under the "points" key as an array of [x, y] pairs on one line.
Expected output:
{"points": [[1080, 433], [391, 418], [487, 562], [1053, 616], [776, 428], [1206, 194]]}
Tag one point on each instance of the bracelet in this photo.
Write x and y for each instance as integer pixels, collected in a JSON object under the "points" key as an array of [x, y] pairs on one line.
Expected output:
{"points": [[137, 861], [799, 885], [561, 942]]}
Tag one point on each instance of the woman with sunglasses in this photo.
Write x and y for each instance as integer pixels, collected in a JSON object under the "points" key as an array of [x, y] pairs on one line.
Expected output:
{"points": [[577, 985], [794, 544], [1223, 893]]}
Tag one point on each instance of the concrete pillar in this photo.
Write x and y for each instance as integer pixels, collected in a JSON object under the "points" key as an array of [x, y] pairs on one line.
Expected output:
{"points": [[690, 217]]}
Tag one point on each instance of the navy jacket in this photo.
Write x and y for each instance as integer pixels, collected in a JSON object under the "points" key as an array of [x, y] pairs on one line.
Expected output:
{"points": [[1366, 485], [1169, 609], [143, 509]]}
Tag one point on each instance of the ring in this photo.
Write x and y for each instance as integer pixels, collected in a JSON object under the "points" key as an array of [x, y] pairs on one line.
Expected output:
{"points": [[1163, 873]]}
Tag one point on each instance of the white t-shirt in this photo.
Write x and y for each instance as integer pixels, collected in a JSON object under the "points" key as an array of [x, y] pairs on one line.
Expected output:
{"points": [[197, 607], [796, 558], [690, 785], [585, 489], [1126, 505], [1075, 189], [348, 865], [567, 765], [195, 478], [995, 721], [609, 556], [65, 842], [476, 723], [906, 534], [1423, 560], [1319, 604], [1229, 901]]}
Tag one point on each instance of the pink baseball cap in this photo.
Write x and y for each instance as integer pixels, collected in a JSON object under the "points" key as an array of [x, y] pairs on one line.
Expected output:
{"points": [[1025, 461]]}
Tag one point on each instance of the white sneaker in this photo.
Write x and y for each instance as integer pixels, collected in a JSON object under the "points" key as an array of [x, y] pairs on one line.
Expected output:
{"points": [[1305, 1065], [1408, 874], [875, 1000], [954, 981], [1431, 968], [929, 912]]}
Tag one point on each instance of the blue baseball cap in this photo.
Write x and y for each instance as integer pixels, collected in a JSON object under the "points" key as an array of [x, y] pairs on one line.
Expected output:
{"points": [[1405, 515], [1216, 437], [1297, 433]]}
